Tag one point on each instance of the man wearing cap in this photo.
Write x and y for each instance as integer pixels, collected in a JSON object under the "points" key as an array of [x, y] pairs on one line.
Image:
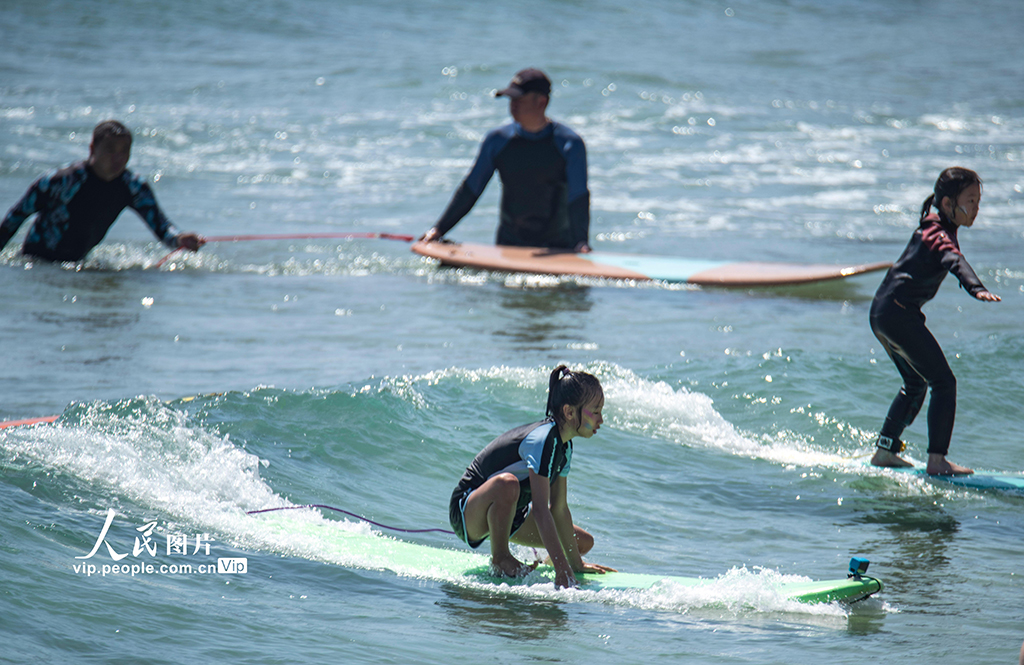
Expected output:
{"points": [[543, 169]]}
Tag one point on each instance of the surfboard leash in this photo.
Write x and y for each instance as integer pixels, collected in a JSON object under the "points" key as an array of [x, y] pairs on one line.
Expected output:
{"points": [[294, 236], [345, 512]]}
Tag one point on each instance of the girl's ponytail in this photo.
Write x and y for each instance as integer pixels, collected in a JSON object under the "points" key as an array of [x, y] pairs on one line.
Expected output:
{"points": [[926, 208]]}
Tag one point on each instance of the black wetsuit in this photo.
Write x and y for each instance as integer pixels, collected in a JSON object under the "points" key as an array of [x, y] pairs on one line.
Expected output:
{"points": [[898, 323], [536, 447], [544, 199], [76, 208]]}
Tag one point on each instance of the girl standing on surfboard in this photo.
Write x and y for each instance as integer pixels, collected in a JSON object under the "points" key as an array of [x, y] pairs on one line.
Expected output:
{"points": [[515, 489], [898, 323]]}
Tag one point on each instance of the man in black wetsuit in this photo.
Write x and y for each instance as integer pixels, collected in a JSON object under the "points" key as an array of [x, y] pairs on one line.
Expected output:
{"points": [[76, 205], [543, 170]]}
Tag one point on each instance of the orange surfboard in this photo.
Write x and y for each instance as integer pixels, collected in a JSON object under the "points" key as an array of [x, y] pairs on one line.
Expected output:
{"points": [[28, 421], [610, 265]]}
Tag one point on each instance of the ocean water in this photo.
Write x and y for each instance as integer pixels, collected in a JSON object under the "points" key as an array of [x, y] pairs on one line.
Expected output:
{"points": [[354, 374]]}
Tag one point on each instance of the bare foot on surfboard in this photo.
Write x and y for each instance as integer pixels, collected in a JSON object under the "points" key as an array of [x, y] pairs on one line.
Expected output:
{"points": [[938, 465], [511, 567], [884, 457]]}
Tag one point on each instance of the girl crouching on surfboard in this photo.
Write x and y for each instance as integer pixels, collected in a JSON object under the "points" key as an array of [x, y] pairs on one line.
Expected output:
{"points": [[530, 464], [898, 323]]}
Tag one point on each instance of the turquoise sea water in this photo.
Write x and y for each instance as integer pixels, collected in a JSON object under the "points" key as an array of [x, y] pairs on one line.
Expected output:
{"points": [[354, 374]]}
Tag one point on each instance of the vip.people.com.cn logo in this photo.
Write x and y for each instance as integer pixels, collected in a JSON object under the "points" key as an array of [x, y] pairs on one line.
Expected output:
{"points": [[176, 544]]}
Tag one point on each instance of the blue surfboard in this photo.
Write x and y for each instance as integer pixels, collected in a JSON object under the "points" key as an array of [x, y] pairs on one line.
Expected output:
{"points": [[983, 480], [979, 481]]}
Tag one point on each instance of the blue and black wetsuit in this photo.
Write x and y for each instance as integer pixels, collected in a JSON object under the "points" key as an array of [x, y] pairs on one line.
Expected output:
{"points": [[544, 198], [536, 447], [76, 208], [898, 323]]}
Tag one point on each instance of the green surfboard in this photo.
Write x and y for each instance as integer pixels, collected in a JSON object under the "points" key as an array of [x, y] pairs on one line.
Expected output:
{"points": [[355, 546], [848, 590]]}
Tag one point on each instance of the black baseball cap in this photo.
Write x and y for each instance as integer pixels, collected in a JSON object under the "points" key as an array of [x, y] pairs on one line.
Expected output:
{"points": [[527, 80]]}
